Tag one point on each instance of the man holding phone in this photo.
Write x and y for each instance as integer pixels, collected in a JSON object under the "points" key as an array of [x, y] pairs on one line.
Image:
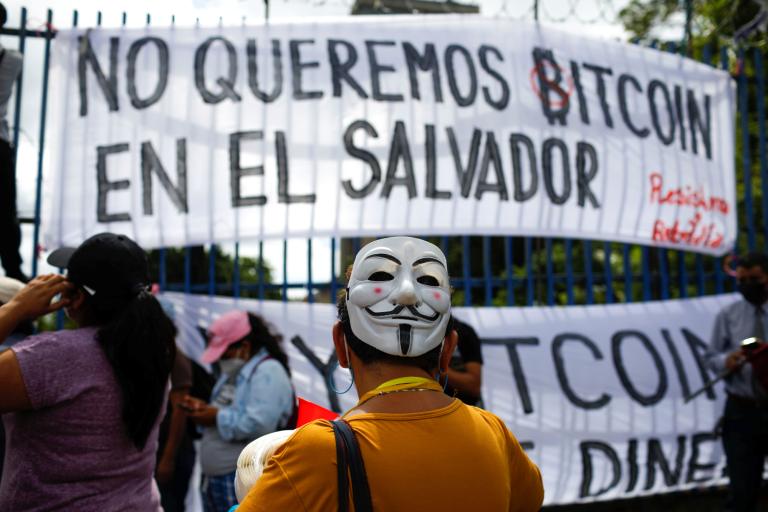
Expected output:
{"points": [[745, 420]]}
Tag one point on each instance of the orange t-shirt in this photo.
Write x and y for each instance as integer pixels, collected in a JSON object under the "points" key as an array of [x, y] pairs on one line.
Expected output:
{"points": [[453, 458]]}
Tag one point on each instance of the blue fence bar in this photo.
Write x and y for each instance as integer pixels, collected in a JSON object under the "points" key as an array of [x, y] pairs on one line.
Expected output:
{"points": [[664, 273], [746, 161], [550, 274], [682, 274], [466, 271], [41, 146], [646, 274], [589, 278], [187, 270], [310, 284], [334, 291], [212, 270], [285, 270], [529, 281], [762, 135], [719, 277], [260, 270], [628, 276], [510, 270], [236, 272], [608, 272], [162, 274], [487, 271], [569, 278]]}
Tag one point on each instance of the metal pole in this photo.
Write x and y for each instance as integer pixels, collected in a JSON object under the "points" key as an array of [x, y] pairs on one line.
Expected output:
{"points": [[310, 283], [536, 10], [688, 17], [285, 270], [236, 272], [41, 147], [333, 271], [212, 270]]}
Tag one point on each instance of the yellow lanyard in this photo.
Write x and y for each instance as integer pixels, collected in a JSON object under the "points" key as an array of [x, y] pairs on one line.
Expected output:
{"points": [[400, 384], [401, 381]]}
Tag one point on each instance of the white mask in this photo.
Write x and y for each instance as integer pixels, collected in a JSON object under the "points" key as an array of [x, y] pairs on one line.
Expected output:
{"points": [[398, 297], [232, 366]]}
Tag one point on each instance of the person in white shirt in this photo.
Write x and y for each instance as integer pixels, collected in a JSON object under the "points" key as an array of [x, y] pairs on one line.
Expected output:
{"points": [[10, 232]]}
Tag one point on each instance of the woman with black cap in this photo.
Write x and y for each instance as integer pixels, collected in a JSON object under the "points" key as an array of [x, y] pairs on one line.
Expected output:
{"points": [[82, 407]]}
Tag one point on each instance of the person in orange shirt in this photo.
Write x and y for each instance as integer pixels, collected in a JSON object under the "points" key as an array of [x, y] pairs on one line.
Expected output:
{"points": [[421, 449]]}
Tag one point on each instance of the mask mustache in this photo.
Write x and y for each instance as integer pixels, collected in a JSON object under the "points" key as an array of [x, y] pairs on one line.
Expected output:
{"points": [[397, 309]]}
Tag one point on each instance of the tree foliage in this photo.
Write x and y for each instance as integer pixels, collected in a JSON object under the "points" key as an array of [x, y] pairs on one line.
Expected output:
{"points": [[712, 21]]}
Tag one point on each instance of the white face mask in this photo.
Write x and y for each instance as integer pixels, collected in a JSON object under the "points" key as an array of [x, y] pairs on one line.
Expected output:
{"points": [[398, 297], [231, 366]]}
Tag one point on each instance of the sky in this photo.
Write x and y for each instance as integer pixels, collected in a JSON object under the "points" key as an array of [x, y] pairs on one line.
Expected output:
{"points": [[597, 18]]}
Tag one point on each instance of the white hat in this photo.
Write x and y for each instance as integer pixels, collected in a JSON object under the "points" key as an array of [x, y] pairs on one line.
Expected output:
{"points": [[8, 288], [253, 459]]}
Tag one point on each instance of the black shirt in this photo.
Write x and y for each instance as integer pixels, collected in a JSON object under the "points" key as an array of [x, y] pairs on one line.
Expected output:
{"points": [[467, 351]]}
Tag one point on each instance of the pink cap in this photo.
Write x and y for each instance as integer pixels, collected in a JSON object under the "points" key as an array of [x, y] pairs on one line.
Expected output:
{"points": [[226, 330]]}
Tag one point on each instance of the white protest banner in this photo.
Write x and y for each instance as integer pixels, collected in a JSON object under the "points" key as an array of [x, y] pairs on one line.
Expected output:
{"points": [[596, 394], [366, 126]]}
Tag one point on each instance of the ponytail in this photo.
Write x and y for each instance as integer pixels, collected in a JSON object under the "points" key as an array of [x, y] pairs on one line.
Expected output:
{"points": [[138, 340], [262, 336]]}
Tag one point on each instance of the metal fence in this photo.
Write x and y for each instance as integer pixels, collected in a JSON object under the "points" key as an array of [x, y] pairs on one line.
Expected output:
{"points": [[487, 270]]}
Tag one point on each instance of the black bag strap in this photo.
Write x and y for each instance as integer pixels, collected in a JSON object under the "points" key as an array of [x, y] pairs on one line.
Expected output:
{"points": [[341, 469], [353, 459], [2, 54]]}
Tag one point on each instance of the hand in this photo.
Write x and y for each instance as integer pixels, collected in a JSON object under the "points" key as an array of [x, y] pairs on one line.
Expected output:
{"points": [[34, 300], [199, 411], [165, 469], [190, 404], [734, 360]]}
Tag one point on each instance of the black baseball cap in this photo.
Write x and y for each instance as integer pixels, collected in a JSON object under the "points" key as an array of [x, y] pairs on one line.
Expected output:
{"points": [[106, 266]]}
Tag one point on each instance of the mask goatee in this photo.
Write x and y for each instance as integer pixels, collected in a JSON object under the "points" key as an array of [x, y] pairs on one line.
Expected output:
{"points": [[404, 337]]}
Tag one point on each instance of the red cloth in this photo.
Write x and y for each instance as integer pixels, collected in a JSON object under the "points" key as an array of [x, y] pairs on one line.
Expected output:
{"points": [[310, 411]]}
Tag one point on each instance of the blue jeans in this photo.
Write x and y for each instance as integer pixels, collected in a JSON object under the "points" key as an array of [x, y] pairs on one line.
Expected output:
{"points": [[745, 440]]}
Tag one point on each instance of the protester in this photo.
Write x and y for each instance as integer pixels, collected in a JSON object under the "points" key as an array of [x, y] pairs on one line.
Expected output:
{"points": [[745, 420], [465, 372], [253, 397], [8, 288], [175, 450], [82, 407], [10, 232], [421, 449]]}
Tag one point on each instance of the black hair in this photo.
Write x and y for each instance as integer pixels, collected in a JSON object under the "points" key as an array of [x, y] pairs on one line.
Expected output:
{"points": [[3, 15], [138, 339], [262, 335], [368, 354], [754, 259]]}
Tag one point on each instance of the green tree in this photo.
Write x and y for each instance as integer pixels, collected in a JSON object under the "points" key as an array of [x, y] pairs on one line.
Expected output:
{"points": [[712, 21], [251, 276]]}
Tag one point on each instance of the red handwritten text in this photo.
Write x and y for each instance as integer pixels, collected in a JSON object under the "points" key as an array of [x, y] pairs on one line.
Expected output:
{"points": [[692, 233], [686, 196]]}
